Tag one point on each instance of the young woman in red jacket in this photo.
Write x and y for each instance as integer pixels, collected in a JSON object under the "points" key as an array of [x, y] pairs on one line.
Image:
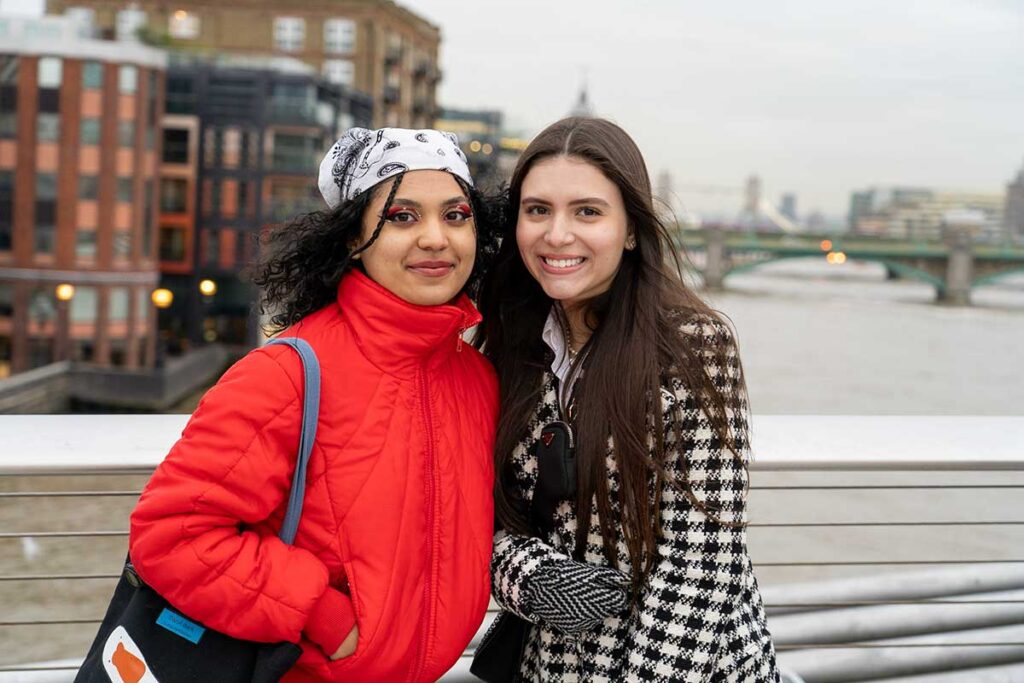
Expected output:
{"points": [[388, 577]]}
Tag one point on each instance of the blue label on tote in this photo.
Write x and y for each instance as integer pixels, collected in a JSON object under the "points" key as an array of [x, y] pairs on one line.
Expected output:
{"points": [[179, 625]]}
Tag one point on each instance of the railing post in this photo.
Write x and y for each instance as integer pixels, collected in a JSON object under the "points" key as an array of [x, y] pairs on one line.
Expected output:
{"points": [[717, 259], [959, 266]]}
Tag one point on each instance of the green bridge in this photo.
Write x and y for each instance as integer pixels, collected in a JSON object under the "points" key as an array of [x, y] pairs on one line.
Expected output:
{"points": [[954, 265]]}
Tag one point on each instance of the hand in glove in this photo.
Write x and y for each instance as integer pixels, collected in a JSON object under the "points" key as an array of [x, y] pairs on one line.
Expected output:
{"points": [[575, 596]]}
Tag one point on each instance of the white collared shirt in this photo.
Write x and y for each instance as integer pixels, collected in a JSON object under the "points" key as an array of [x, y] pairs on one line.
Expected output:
{"points": [[554, 336]]}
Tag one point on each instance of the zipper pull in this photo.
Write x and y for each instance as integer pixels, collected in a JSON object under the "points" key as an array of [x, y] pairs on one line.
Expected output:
{"points": [[458, 342]]}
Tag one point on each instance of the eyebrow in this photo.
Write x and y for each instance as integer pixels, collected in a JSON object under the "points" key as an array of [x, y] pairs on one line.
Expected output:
{"points": [[575, 202], [397, 201]]}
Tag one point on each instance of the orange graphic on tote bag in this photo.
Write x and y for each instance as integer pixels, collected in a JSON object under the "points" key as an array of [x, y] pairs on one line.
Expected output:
{"points": [[130, 667], [123, 660]]}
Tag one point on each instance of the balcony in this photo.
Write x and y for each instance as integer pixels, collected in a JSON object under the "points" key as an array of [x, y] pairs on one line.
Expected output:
{"points": [[885, 546], [292, 112]]}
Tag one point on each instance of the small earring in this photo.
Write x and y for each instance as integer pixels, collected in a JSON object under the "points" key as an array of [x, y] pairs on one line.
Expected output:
{"points": [[631, 243]]}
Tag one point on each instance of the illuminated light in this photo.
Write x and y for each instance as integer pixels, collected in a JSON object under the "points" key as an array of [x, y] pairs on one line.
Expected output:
{"points": [[65, 291], [181, 15], [840, 257], [836, 258], [210, 335], [826, 245], [488, 148], [207, 287], [162, 298], [475, 146]]}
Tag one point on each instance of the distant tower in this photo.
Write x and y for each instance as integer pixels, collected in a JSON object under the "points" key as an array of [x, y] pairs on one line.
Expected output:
{"points": [[666, 196], [750, 216], [1014, 214], [582, 106], [788, 206]]}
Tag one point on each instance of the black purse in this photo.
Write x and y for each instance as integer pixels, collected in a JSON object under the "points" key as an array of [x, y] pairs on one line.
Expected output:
{"points": [[497, 658], [144, 639]]}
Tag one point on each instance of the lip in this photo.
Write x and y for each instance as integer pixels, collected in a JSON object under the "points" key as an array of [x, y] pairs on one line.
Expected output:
{"points": [[552, 270], [431, 268]]}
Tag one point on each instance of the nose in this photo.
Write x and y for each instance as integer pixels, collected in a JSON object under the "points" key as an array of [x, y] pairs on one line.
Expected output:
{"points": [[558, 233], [432, 236]]}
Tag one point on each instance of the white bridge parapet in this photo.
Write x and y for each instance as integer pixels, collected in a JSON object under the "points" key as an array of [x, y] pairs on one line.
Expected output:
{"points": [[885, 546]]}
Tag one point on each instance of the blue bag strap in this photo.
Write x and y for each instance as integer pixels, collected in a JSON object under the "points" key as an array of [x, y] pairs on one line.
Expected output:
{"points": [[310, 416]]}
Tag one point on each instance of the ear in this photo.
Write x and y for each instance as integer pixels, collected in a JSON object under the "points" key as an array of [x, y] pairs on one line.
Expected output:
{"points": [[630, 241]]}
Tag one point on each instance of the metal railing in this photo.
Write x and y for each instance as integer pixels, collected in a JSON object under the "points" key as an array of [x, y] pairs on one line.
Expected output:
{"points": [[885, 546]]}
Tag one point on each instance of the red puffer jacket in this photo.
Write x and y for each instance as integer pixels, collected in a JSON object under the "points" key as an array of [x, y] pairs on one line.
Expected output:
{"points": [[396, 528]]}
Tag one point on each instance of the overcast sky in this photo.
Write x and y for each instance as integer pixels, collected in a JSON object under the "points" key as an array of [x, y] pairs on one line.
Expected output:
{"points": [[819, 97]]}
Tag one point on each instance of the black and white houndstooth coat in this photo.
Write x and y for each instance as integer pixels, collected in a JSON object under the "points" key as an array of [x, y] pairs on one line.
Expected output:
{"points": [[700, 617]]}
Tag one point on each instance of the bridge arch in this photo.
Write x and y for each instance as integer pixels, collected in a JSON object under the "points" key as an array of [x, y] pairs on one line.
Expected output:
{"points": [[993, 277], [902, 269]]}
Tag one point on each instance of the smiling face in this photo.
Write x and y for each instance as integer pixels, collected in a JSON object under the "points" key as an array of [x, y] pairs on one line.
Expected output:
{"points": [[572, 228], [426, 250]]}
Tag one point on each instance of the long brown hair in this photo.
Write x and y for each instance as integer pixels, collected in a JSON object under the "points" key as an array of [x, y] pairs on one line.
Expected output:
{"points": [[637, 342]]}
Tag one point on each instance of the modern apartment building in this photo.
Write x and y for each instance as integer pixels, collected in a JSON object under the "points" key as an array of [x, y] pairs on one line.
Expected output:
{"points": [[242, 144], [373, 46], [79, 149]]}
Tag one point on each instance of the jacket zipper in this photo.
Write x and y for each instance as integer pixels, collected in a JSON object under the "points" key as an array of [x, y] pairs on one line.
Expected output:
{"points": [[428, 592]]}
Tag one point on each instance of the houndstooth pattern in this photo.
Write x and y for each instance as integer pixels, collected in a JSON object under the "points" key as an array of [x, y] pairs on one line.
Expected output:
{"points": [[700, 618]]}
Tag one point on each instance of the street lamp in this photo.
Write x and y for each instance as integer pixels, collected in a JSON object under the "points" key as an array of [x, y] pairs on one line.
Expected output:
{"points": [[162, 298], [207, 287], [64, 292]]}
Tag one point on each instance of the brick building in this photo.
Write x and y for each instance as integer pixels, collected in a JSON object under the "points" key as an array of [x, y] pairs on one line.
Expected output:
{"points": [[373, 46], [79, 144]]}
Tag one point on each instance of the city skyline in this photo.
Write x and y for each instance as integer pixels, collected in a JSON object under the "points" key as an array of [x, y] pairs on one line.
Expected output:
{"points": [[818, 100]]}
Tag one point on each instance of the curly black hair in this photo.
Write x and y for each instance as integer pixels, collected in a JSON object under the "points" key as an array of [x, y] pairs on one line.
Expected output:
{"points": [[302, 262]]}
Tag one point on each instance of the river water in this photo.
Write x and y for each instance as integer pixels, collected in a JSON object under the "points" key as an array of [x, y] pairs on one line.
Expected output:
{"points": [[821, 339]]}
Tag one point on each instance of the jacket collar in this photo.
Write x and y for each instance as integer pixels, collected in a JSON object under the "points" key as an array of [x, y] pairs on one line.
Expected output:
{"points": [[396, 335]]}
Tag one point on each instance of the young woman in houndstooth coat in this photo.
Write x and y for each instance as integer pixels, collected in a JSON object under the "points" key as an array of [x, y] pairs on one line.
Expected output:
{"points": [[645, 575]]}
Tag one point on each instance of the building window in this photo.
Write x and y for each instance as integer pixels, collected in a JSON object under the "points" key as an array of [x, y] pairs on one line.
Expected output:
{"points": [[295, 153], [148, 219], [340, 71], [88, 187], [92, 75], [8, 110], [172, 244], [6, 301], [126, 133], [83, 305], [46, 212], [85, 245], [125, 189], [173, 195], [175, 149], [47, 127], [9, 69], [183, 25], [49, 100], [122, 243], [181, 95], [212, 247], [90, 131], [6, 209], [45, 232], [119, 298], [340, 36], [127, 80], [289, 33], [50, 72], [129, 23]]}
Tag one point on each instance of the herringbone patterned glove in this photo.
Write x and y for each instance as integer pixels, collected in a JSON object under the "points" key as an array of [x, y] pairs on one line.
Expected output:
{"points": [[575, 596]]}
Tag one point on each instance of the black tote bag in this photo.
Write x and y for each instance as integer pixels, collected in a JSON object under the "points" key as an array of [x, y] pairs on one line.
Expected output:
{"points": [[144, 639]]}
